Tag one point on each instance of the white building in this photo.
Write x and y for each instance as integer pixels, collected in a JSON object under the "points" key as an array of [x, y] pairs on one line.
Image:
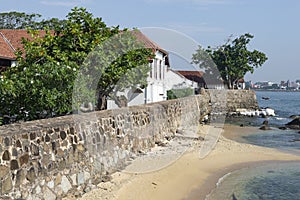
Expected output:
{"points": [[156, 89], [175, 80]]}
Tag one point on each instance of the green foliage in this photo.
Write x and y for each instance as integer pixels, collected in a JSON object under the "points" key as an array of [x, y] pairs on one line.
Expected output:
{"points": [[118, 63], [179, 93], [42, 84], [38, 91], [21, 20], [232, 60]]}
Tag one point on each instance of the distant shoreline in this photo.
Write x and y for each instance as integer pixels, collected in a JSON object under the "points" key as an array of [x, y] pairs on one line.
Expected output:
{"points": [[270, 90]]}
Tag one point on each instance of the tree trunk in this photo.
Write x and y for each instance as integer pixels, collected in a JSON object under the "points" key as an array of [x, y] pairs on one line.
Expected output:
{"points": [[229, 84], [101, 103]]}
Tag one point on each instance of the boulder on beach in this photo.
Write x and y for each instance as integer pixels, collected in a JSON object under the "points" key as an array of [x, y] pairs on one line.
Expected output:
{"points": [[265, 128], [294, 124], [266, 122]]}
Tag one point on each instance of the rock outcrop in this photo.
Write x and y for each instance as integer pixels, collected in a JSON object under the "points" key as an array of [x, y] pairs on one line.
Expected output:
{"points": [[294, 124]]}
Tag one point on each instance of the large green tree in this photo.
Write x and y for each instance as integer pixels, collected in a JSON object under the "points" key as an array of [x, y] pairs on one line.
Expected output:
{"points": [[232, 60], [42, 84]]}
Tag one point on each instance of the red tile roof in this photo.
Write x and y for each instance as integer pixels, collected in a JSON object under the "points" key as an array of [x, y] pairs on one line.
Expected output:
{"points": [[147, 41], [196, 76], [11, 41], [6, 51]]}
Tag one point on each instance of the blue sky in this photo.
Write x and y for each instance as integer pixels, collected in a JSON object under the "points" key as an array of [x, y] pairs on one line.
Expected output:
{"points": [[274, 23]]}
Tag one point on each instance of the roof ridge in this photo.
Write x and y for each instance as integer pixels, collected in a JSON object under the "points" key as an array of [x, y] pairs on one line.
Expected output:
{"points": [[7, 41], [153, 44]]}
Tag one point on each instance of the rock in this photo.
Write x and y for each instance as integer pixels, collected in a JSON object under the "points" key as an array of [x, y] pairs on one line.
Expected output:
{"points": [[282, 128], [6, 155], [263, 115], [106, 178], [65, 184], [6, 186], [294, 124], [265, 127], [4, 170], [295, 140], [48, 194], [294, 116], [270, 112], [161, 144]]}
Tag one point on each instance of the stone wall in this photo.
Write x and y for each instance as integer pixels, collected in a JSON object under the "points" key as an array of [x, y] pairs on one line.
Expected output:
{"points": [[225, 101], [46, 159]]}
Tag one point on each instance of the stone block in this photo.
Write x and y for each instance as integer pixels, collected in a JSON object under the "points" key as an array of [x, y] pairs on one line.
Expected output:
{"points": [[63, 135], [20, 177], [14, 165], [32, 136], [18, 144], [34, 150], [74, 179], [4, 170], [30, 176], [24, 159], [65, 184], [6, 155], [48, 194], [6, 186], [58, 179], [7, 141], [80, 178], [87, 176], [50, 184]]}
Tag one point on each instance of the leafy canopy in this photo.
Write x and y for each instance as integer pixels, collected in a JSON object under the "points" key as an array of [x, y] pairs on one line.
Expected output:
{"points": [[42, 83], [21, 20], [232, 60]]}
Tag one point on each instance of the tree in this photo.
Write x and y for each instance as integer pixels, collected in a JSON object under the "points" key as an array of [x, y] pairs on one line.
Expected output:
{"points": [[21, 20], [42, 84], [233, 59], [17, 20], [119, 63]]}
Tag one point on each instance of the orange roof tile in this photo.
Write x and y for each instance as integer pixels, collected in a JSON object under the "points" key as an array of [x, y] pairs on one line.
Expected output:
{"points": [[147, 41], [6, 51], [196, 76], [11, 41]]}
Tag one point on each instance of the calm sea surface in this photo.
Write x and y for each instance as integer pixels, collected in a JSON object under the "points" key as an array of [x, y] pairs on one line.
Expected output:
{"points": [[270, 181]]}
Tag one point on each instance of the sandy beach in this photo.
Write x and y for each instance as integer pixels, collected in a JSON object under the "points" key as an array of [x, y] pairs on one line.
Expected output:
{"points": [[189, 177]]}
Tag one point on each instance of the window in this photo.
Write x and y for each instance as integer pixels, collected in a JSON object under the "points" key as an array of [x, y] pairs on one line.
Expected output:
{"points": [[160, 72], [163, 71], [151, 69], [155, 68]]}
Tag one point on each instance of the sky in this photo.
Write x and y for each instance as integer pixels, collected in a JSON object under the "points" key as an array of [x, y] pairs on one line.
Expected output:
{"points": [[274, 24]]}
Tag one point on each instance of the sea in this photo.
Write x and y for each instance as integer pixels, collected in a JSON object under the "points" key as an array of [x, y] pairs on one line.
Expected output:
{"points": [[266, 181]]}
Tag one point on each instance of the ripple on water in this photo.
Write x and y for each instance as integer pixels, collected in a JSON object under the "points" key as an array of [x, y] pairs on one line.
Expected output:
{"points": [[276, 180]]}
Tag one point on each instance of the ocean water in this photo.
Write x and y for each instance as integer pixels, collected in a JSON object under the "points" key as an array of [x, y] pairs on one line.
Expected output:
{"points": [[285, 105], [272, 181]]}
